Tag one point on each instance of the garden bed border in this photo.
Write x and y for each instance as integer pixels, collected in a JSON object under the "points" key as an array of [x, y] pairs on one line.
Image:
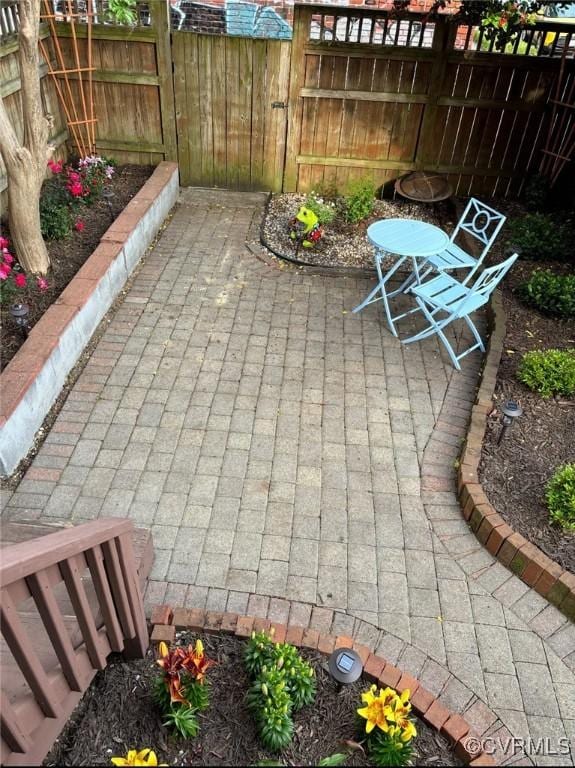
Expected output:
{"points": [[34, 378], [522, 557], [467, 744]]}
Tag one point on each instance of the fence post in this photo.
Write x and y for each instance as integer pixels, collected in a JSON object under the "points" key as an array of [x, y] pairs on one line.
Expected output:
{"points": [[301, 26], [427, 143], [160, 20]]}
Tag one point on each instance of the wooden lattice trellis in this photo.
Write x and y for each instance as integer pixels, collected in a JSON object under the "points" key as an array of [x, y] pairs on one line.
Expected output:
{"points": [[560, 145], [79, 110]]}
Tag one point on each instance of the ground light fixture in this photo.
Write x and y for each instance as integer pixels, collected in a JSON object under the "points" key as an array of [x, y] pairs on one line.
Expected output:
{"points": [[511, 410], [107, 194], [345, 666], [20, 314]]}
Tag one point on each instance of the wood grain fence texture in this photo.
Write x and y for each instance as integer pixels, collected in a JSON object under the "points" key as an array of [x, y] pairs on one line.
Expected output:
{"points": [[357, 109], [231, 129]]}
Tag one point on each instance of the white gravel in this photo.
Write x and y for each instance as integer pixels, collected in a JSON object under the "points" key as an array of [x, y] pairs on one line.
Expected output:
{"points": [[342, 245]]}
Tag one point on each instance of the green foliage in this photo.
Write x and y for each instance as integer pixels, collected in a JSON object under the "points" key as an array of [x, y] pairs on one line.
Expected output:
{"points": [[182, 719], [197, 694], [549, 372], [55, 218], [538, 236], [325, 211], [338, 758], [384, 750], [537, 190], [161, 695], [283, 682], [122, 11], [550, 293], [359, 200], [560, 497]]}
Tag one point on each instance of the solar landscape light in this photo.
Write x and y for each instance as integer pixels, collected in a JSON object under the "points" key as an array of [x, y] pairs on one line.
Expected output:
{"points": [[107, 194], [20, 314], [511, 410], [345, 666]]}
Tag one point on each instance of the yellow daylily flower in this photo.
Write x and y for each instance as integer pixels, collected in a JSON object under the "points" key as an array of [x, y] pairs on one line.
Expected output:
{"points": [[145, 757], [378, 708]]}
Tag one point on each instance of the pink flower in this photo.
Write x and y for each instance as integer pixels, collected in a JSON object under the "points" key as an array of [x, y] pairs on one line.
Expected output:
{"points": [[73, 176], [5, 270], [79, 226], [4, 243], [20, 280], [8, 258], [42, 283], [75, 189], [55, 167]]}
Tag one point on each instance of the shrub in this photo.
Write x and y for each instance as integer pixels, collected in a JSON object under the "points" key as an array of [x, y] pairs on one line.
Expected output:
{"points": [[538, 236], [359, 200], [560, 497], [550, 293], [537, 192], [325, 211], [55, 218], [549, 372]]}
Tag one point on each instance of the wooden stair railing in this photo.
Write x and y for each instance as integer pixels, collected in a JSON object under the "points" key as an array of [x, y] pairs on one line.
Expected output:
{"points": [[67, 600]]}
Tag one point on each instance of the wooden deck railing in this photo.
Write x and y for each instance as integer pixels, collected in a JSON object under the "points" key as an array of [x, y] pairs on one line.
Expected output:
{"points": [[66, 601]]}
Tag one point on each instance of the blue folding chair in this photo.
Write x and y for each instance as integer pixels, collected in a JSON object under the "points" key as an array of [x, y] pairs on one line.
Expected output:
{"points": [[445, 294], [481, 222]]}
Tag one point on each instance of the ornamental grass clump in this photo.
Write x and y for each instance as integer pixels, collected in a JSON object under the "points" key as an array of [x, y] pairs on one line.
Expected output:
{"points": [[283, 683], [388, 726], [548, 372], [181, 691], [560, 497]]}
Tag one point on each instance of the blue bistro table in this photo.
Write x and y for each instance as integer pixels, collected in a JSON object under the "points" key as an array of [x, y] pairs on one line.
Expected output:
{"points": [[406, 239]]}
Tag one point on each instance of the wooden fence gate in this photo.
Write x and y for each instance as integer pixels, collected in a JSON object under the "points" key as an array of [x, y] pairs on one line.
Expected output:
{"points": [[231, 98], [376, 95]]}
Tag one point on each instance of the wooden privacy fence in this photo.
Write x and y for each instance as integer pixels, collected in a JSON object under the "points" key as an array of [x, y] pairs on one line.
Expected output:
{"points": [[66, 601], [373, 95]]}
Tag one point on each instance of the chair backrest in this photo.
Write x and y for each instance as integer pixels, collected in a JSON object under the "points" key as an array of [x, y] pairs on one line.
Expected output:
{"points": [[485, 284], [481, 222]]}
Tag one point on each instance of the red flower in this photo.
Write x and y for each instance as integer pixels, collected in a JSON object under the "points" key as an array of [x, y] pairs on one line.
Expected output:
{"points": [[20, 280], [42, 283], [73, 175], [79, 226], [4, 243], [55, 167], [75, 189], [5, 270], [8, 258]]}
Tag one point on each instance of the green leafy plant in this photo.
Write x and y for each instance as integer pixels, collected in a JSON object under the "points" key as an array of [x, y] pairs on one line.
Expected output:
{"points": [[324, 210], [184, 720], [385, 749], [283, 682], [550, 293], [538, 236], [560, 497], [56, 219], [122, 11], [359, 200], [549, 372]]}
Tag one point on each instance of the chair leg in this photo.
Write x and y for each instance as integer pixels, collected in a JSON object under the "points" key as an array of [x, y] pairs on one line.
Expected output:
{"points": [[435, 328], [475, 332]]}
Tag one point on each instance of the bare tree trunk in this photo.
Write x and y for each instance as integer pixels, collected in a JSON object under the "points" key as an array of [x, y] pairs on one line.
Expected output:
{"points": [[26, 162]]}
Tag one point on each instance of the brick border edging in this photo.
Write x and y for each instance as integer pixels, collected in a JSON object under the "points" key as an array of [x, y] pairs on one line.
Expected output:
{"points": [[454, 727], [522, 557], [34, 377]]}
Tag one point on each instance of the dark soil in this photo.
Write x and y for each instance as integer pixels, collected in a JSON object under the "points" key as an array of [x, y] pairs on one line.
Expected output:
{"points": [[67, 256], [514, 473], [117, 714]]}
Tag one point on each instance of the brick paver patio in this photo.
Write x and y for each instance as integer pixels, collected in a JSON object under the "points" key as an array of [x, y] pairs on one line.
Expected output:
{"points": [[296, 462]]}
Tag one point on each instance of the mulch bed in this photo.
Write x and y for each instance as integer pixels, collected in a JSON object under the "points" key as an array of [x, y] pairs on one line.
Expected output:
{"points": [[117, 714], [67, 256], [344, 245], [514, 473]]}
